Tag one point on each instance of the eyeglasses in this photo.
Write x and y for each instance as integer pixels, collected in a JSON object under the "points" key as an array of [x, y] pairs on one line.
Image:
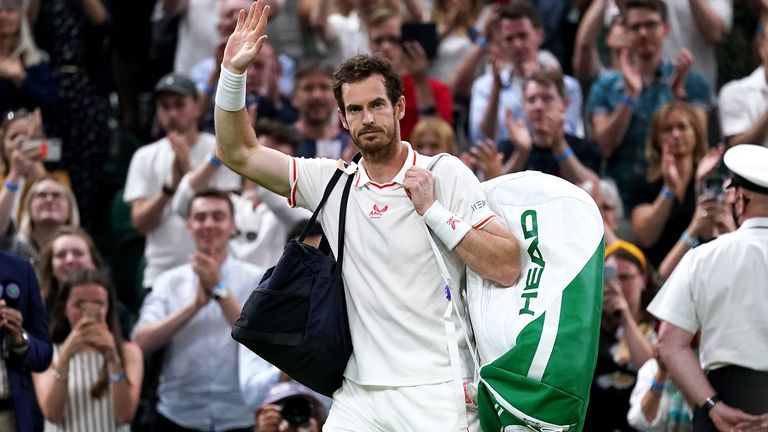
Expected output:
{"points": [[648, 25]]}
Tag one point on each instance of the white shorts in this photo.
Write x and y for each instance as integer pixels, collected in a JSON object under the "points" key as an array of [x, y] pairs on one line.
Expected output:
{"points": [[424, 408]]}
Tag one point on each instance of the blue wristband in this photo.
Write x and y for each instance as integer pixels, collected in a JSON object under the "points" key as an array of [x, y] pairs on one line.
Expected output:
{"points": [[564, 155], [688, 239], [666, 193], [657, 386], [213, 160], [628, 101], [473, 33], [481, 42], [13, 187], [117, 377]]}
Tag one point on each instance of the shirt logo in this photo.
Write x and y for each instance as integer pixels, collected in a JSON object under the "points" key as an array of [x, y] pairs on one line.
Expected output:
{"points": [[377, 212], [452, 222]]}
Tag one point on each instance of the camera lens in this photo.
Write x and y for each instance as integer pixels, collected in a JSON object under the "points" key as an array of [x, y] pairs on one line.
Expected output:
{"points": [[296, 411]]}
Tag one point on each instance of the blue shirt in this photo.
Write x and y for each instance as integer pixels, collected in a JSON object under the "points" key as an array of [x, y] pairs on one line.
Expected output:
{"points": [[199, 385], [629, 162], [512, 97]]}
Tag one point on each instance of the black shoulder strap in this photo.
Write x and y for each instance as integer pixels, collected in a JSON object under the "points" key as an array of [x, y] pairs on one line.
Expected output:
{"points": [[328, 189]]}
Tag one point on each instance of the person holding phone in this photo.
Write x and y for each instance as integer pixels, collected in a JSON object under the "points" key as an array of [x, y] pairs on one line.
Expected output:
{"points": [[664, 202], [21, 165], [626, 335], [95, 376], [24, 339], [424, 96]]}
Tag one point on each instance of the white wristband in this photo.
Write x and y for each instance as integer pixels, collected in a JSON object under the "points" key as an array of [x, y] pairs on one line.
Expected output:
{"points": [[446, 226], [230, 93]]}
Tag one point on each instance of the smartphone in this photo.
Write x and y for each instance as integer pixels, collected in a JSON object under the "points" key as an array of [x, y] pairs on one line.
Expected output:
{"points": [[90, 311], [423, 33], [712, 186], [50, 148]]}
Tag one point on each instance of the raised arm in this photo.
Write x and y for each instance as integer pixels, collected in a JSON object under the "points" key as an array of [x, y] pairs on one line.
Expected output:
{"points": [[585, 53], [236, 143], [712, 27]]}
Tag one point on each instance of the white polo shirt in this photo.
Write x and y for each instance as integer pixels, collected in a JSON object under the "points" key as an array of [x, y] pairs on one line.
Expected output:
{"points": [[743, 102], [722, 288], [394, 290]]}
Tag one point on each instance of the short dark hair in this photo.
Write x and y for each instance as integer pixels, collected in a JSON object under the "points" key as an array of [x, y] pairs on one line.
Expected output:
{"points": [[548, 77], [657, 6], [517, 9], [363, 66], [310, 67], [211, 193]]}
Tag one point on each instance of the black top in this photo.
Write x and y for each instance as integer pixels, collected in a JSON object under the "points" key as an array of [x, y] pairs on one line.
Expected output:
{"points": [[643, 192]]}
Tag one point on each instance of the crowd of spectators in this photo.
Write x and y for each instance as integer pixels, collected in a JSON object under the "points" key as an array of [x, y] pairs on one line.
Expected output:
{"points": [[107, 134]]}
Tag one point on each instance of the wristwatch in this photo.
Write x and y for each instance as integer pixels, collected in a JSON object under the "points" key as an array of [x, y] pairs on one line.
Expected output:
{"points": [[220, 291], [710, 403], [21, 349]]}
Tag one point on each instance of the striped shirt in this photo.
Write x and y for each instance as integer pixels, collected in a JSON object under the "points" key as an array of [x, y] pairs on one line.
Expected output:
{"points": [[83, 412]]}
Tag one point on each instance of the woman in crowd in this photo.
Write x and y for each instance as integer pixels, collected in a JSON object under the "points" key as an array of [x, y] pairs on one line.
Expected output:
{"points": [[433, 135], [49, 205], [626, 335], [664, 202], [609, 202], [19, 168], [25, 77], [455, 20], [71, 249], [95, 377]]}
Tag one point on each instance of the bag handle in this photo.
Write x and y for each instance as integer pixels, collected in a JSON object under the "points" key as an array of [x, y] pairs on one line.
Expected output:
{"points": [[328, 189], [343, 214]]}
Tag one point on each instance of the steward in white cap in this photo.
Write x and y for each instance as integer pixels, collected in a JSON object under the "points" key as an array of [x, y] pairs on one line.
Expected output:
{"points": [[721, 289]]}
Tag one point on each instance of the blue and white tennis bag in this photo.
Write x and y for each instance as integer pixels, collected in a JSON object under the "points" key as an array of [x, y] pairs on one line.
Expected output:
{"points": [[537, 340]]}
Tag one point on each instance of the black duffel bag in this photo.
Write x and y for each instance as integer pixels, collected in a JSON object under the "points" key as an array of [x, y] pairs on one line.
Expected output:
{"points": [[297, 317]]}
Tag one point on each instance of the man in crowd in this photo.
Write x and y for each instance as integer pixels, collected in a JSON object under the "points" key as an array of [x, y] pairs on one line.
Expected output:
{"points": [[719, 289], [399, 377], [514, 35], [621, 103], [191, 311], [424, 96], [318, 125], [24, 343], [744, 102], [156, 170]]}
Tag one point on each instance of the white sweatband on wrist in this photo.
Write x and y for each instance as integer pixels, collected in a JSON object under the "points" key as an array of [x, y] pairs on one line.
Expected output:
{"points": [[446, 226], [230, 93]]}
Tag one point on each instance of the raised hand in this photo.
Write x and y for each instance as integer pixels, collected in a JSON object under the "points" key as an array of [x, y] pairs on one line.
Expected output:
{"points": [[632, 79], [671, 175], [518, 131], [246, 41], [683, 62], [416, 59], [709, 162], [487, 158]]}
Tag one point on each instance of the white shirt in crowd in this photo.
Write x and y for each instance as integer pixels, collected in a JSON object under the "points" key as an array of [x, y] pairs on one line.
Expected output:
{"points": [[743, 103], [685, 33], [199, 384], [198, 36]]}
